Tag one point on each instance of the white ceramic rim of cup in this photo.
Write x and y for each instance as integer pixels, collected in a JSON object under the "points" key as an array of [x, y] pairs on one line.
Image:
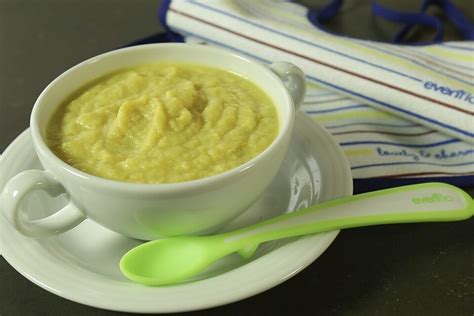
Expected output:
{"points": [[115, 185]]}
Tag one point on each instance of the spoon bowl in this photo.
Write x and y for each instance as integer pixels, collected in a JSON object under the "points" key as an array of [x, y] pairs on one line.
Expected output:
{"points": [[183, 255]]}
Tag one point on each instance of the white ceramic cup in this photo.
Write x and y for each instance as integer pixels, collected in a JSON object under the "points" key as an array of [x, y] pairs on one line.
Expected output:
{"points": [[150, 211]]}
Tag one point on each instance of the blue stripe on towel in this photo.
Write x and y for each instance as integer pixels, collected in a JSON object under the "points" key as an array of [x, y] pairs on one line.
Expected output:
{"points": [[450, 141], [342, 108], [412, 163], [371, 124], [458, 47]]}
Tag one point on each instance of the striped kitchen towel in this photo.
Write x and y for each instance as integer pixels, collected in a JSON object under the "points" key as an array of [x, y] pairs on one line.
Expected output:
{"points": [[402, 114]]}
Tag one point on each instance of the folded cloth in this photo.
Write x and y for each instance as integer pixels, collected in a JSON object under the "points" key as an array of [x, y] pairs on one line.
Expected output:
{"points": [[402, 114]]}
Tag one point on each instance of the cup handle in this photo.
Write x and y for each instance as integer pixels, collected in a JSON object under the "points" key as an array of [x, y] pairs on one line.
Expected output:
{"points": [[28, 181], [293, 78]]}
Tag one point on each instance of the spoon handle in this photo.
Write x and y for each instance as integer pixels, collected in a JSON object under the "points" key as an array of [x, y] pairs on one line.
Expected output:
{"points": [[428, 202]]}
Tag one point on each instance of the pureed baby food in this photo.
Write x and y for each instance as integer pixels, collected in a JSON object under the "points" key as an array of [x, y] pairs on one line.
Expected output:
{"points": [[163, 123]]}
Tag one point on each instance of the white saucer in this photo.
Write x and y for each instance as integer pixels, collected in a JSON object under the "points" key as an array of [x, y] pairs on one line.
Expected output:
{"points": [[82, 264]]}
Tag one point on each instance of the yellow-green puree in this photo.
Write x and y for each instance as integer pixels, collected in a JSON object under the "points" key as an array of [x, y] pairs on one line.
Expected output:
{"points": [[163, 123]]}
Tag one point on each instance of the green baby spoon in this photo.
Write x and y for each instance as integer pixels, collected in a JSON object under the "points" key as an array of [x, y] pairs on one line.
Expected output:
{"points": [[176, 259]]}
